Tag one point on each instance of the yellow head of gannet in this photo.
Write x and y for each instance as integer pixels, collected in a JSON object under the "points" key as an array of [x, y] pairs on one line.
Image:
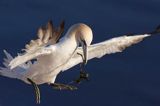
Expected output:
{"points": [[83, 35]]}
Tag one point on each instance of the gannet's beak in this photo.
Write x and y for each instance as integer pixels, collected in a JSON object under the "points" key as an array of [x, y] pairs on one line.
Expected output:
{"points": [[85, 51]]}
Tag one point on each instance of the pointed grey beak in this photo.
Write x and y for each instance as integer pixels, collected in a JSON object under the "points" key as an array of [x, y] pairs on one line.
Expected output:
{"points": [[85, 51]]}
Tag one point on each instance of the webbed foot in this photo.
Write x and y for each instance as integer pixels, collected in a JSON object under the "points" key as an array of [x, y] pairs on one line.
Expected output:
{"points": [[83, 76], [59, 86]]}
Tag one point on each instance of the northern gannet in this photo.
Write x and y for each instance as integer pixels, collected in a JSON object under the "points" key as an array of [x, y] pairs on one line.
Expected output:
{"points": [[53, 57]]}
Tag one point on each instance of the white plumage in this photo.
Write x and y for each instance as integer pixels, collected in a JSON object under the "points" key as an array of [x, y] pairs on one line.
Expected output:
{"points": [[52, 58], [110, 46]]}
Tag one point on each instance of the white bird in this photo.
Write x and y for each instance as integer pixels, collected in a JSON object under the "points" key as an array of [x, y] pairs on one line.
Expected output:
{"points": [[53, 57]]}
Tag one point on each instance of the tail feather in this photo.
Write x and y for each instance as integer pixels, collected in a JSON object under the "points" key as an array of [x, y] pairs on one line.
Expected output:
{"points": [[9, 57], [7, 72]]}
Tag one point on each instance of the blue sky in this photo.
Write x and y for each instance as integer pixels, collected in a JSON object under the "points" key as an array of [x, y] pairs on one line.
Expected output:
{"points": [[130, 78]]}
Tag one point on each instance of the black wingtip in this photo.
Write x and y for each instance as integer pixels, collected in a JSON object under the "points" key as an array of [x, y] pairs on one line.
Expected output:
{"points": [[61, 27], [62, 24], [49, 24], [156, 31], [50, 21]]}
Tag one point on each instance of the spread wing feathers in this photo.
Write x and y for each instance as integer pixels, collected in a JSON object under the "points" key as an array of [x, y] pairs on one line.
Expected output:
{"points": [[47, 35], [15, 73], [98, 50], [20, 59]]}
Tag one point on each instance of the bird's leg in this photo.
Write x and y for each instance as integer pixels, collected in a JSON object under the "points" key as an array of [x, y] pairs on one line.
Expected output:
{"points": [[36, 89], [59, 86], [83, 74]]}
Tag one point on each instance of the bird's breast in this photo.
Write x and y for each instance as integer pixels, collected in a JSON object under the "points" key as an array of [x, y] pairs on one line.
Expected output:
{"points": [[49, 66]]}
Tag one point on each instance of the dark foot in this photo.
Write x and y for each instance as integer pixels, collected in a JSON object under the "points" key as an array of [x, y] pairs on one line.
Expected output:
{"points": [[63, 86], [36, 89], [83, 76]]}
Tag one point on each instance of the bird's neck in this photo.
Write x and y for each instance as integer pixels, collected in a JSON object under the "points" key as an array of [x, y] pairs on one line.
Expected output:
{"points": [[70, 38], [69, 42]]}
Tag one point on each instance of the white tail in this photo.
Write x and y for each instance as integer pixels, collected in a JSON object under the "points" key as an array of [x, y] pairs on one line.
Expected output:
{"points": [[15, 73]]}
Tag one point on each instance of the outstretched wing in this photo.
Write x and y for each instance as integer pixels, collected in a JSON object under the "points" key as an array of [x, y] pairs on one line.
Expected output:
{"points": [[98, 50], [47, 35], [41, 51]]}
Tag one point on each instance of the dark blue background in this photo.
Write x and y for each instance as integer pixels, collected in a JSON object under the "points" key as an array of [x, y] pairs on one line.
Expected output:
{"points": [[131, 78]]}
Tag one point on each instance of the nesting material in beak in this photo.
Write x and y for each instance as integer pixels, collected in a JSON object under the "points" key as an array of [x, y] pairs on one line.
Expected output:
{"points": [[85, 52]]}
